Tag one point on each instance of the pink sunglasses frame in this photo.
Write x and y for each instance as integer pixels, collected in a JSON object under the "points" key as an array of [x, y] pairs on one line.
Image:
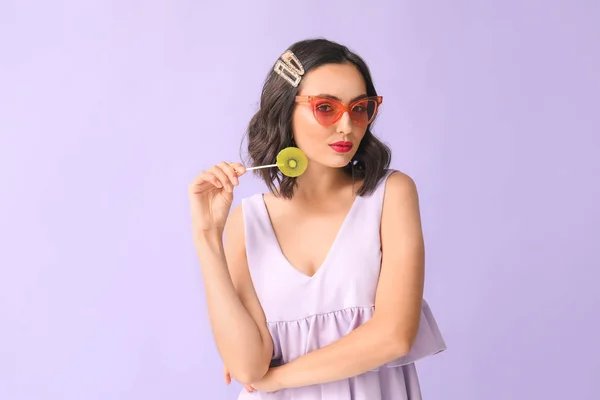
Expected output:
{"points": [[312, 100]]}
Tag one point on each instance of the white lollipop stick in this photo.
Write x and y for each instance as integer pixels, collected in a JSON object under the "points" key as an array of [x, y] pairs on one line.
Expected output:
{"points": [[261, 166]]}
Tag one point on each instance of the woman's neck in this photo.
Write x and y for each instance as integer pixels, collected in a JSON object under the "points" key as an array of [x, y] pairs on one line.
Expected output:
{"points": [[321, 182]]}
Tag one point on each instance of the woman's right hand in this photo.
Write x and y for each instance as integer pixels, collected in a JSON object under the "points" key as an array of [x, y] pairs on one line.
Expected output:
{"points": [[227, 377], [211, 196]]}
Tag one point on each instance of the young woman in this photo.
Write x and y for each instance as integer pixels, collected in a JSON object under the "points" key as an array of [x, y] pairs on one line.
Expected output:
{"points": [[317, 290]]}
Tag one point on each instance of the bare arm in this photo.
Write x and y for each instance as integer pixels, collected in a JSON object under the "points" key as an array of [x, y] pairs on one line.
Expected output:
{"points": [[394, 326], [237, 319]]}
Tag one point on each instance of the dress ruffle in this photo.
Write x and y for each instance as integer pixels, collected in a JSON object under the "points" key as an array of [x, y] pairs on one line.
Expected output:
{"points": [[396, 380], [293, 339]]}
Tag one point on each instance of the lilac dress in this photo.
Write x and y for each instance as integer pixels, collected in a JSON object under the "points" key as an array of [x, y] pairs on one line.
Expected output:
{"points": [[306, 313]]}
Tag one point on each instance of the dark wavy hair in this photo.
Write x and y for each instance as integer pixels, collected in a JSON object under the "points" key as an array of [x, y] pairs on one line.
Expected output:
{"points": [[270, 129]]}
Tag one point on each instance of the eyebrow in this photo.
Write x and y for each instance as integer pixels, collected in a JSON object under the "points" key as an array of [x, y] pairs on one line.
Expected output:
{"points": [[329, 96]]}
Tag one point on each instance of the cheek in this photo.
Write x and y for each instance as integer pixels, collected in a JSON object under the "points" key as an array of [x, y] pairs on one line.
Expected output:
{"points": [[306, 128], [359, 133]]}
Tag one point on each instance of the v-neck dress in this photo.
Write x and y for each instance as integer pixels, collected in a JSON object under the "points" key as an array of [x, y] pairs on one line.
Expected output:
{"points": [[306, 313]]}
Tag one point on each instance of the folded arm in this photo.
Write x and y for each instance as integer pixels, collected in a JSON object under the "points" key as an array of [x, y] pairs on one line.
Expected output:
{"points": [[236, 316]]}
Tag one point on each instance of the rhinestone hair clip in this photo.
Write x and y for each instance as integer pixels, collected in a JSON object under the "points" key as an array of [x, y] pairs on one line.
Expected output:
{"points": [[287, 70]]}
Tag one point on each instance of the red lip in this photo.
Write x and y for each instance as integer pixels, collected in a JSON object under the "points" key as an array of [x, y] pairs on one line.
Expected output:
{"points": [[341, 146]]}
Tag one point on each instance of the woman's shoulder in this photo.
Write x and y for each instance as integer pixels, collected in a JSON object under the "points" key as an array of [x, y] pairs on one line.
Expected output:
{"points": [[397, 189], [397, 180], [400, 193], [394, 181]]}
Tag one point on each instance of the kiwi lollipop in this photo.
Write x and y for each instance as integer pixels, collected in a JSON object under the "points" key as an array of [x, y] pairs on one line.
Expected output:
{"points": [[291, 161]]}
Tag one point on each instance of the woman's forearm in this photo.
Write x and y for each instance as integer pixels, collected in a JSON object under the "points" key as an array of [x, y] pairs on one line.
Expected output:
{"points": [[367, 347], [236, 333]]}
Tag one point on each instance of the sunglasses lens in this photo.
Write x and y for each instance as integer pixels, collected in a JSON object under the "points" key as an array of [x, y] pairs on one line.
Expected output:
{"points": [[326, 112], [363, 112]]}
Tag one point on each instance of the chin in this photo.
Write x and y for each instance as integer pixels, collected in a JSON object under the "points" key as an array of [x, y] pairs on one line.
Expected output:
{"points": [[339, 161], [332, 159]]}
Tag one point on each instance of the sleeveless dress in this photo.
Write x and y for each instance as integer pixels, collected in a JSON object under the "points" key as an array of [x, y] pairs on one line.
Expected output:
{"points": [[306, 313]]}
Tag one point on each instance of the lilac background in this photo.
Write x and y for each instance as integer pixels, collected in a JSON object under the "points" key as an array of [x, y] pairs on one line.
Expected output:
{"points": [[109, 108]]}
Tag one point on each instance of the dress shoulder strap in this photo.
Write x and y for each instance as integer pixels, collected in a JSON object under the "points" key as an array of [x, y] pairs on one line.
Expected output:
{"points": [[367, 217], [375, 199], [257, 226]]}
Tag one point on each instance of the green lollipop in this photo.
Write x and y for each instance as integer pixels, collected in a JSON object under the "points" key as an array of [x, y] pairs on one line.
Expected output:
{"points": [[291, 161]]}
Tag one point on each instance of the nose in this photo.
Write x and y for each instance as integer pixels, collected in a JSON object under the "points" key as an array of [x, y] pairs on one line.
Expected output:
{"points": [[344, 125]]}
